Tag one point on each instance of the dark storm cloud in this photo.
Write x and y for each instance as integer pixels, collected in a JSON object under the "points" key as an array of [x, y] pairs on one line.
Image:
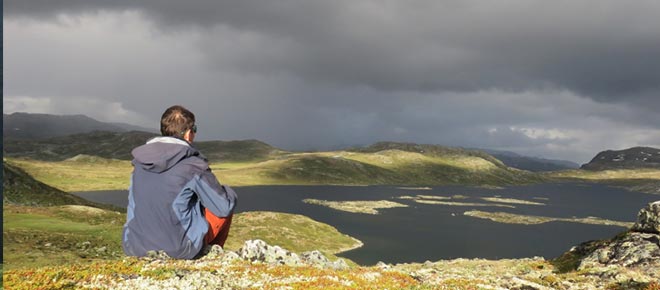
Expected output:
{"points": [[605, 50], [562, 79]]}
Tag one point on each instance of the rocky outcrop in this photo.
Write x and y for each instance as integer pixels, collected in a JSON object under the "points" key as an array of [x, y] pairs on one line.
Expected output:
{"points": [[648, 219], [633, 256], [258, 251]]}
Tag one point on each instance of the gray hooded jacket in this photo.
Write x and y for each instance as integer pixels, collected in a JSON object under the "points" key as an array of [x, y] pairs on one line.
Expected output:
{"points": [[170, 184]]}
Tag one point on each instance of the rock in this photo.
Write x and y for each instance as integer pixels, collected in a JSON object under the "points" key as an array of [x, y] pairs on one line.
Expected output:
{"points": [[340, 264], [228, 257], [253, 250], [84, 245], [212, 252], [648, 219], [633, 249], [315, 258], [383, 265], [158, 255], [259, 251], [638, 249]]}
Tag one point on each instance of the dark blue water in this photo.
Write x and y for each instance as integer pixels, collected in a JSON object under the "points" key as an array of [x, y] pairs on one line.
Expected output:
{"points": [[423, 232]]}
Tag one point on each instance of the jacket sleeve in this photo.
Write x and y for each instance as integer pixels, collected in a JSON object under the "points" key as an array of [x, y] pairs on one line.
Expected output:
{"points": [[219, 199]]}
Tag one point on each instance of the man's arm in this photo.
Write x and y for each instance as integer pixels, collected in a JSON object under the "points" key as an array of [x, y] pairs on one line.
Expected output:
{"points": [[219, 199]]}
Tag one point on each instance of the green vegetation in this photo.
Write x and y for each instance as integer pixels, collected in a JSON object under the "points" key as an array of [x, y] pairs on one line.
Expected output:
{"points": [[238, 151], [81, 174], [19, 188], [109, 145], [619, 174], [115, 145], [39, 236]]}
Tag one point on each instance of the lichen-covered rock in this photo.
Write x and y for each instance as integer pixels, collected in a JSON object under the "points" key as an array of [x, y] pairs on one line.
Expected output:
{"points": [[632, 256], [212, 252], [317, 259], [259, 251], [158, 255], [648, 219], [631, 250]]}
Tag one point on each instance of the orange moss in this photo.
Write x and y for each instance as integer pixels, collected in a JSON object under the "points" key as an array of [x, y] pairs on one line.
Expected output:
{"points": [[653, 286], [66, 277]]}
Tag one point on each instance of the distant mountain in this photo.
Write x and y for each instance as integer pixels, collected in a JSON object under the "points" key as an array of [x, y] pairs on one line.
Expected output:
{"points": [[118, 145], [115, 145], [632, 158], [28, 126], [528, 163]]}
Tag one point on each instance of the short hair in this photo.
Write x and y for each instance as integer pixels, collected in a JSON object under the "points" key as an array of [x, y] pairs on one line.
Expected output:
{"points": [[176, 120]]}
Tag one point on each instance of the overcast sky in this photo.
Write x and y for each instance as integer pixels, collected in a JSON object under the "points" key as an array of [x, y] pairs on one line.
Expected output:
{"points": [[559, 79]]}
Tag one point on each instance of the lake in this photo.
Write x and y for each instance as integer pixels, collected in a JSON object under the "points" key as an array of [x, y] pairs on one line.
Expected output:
{"points": [[432, 232]]}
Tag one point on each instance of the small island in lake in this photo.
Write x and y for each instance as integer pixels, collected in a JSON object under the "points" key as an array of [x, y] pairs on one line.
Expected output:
{"points": [[356, 206], [509, 218]]}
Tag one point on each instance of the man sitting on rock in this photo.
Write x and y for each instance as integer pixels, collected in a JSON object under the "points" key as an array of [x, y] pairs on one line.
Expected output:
{"points": [[175, 203]]}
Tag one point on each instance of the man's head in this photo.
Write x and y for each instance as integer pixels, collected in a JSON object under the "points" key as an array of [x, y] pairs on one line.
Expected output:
{"points": [[177, 121]]}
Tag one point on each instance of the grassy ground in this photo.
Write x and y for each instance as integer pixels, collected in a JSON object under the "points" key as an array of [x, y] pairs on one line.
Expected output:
{"points": [[81, 175], [621, 174], [43, 236], [40, 236]]}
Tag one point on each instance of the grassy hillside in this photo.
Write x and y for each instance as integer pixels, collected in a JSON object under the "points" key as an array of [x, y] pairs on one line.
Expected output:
{"points": [[81, 173], [238, 151], [19, 188], [263, 165], [393, 167], [41, 236]]}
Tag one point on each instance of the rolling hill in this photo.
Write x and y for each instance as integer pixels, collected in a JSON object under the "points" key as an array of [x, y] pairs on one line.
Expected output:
{"points": [[250, 162], [528, 163], [19, 188]]}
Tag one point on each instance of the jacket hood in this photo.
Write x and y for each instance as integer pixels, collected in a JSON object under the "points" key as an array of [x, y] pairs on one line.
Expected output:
{"points": [[161, 153]]}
